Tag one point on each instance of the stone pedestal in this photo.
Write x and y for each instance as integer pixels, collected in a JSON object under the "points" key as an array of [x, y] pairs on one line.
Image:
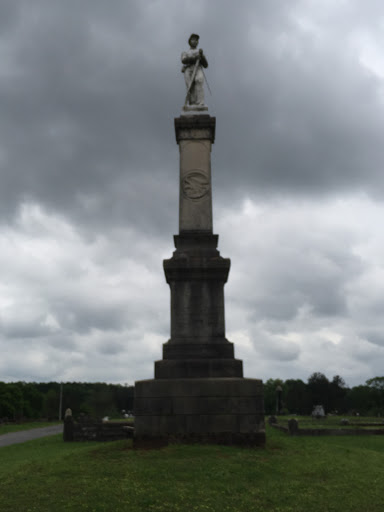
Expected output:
{"points": [[214, 410], [199, 393]]}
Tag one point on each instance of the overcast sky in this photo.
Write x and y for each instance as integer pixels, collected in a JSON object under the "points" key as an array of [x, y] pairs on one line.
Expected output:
{"points": [[89, 183]]}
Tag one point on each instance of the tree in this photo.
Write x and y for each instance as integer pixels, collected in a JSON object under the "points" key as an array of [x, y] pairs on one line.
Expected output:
{"points": [[297, 397], [102, 401], [377, 387], [124, 397], [270, 395], [376, 383], [337, 394], [360, 399], [318, 385], [51, 404], [11, 401], [32, 400], [7, 407]]}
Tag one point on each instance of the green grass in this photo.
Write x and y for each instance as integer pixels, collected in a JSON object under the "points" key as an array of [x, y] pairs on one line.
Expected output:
{"points": [[330, 421], [17, 427], [292, 474], [130, 420]]}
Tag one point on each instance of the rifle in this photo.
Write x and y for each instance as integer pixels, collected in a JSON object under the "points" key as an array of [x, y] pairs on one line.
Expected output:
{"points": [[206, 81]]}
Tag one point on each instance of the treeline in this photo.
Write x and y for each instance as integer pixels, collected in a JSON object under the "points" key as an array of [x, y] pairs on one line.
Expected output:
{"points": [[49, 400], [298, 397]]}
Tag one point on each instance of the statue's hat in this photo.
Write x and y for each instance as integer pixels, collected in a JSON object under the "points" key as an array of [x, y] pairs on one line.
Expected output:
{"points": [[193, 35]]}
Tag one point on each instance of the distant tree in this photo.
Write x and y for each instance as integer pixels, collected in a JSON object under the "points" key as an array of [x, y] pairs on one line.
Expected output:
{"points": [[297, 397], [32, 400], [51, 404], [7, 406], [102, 401], [376, 384], [11, 401], [270, 395], [361, 399], [318, 385], [124, 397], [337, 394], [77, 396]]}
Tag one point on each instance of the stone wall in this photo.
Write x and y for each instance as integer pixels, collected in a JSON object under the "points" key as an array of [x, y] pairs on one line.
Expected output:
{"points": [[96, 430], [294, 430]]}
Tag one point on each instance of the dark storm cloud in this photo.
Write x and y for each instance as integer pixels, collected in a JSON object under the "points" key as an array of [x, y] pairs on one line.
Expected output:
{"points": [[77, 123], [90, 89], [309, 121], [376, 338], [89, 181]]}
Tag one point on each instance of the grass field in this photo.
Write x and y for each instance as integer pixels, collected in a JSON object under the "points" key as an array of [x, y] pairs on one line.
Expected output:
{"points": [[290, 475], [331, 421]]}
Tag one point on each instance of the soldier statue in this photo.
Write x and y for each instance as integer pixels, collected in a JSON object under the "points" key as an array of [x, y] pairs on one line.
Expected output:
{"points": [[194, 61]]}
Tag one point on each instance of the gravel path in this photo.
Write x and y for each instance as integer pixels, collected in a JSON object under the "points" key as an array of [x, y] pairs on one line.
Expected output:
{"points": [[29, 435]]}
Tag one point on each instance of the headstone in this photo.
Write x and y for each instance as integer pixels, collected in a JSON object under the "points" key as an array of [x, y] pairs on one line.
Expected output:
{"points": [[293, 426], [318, 412], [68, 431], [199, 392], [272, 420]]}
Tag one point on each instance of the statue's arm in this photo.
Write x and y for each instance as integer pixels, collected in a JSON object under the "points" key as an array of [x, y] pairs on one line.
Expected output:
{"points": [[203, 60], [187, 58]]}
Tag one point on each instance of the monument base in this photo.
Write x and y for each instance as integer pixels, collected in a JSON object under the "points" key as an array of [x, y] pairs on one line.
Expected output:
{"points": [[228, 411], [194, 109]]}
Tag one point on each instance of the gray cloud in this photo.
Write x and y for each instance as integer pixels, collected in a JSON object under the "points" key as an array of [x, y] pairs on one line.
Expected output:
{"points": [[91, 91], [89, 182]]}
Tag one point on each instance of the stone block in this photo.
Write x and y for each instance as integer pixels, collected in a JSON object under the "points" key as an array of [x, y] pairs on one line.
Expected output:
{"points": [[251, 423], [201, 410], [210, 423], [155, 426], [193, 242], [200, 127], [198, 368], [240, 387], [194, 348]]}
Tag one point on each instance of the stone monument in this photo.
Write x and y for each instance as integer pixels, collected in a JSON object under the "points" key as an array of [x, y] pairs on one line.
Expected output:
{"points": [[199, 393]]}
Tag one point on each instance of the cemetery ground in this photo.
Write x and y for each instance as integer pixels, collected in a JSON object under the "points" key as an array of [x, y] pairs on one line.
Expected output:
{"points": [[333, 422], [291, 474]]}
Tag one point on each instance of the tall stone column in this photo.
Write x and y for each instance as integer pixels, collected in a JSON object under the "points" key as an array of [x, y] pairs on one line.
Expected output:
{"points": [[196, 273], [198, 393], [195, 136]]}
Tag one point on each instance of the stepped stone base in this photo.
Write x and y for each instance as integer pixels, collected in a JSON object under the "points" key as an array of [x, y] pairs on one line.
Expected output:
{"points": [[199, 393], [209, 410], [197, 368]]}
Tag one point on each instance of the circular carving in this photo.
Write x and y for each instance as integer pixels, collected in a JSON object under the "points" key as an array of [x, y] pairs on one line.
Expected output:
{"points": [[195, 184]]}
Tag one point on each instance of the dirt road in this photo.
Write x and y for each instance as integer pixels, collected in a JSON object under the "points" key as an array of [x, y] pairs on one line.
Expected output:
{"points": [[28, 435]]}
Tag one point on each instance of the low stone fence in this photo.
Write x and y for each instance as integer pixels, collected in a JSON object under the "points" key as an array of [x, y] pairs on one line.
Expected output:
{"points": [[96, 430], [294, 430]]}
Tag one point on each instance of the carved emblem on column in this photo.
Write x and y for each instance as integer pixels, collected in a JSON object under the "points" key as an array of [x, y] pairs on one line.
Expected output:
{"points": [[195, 184]]}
